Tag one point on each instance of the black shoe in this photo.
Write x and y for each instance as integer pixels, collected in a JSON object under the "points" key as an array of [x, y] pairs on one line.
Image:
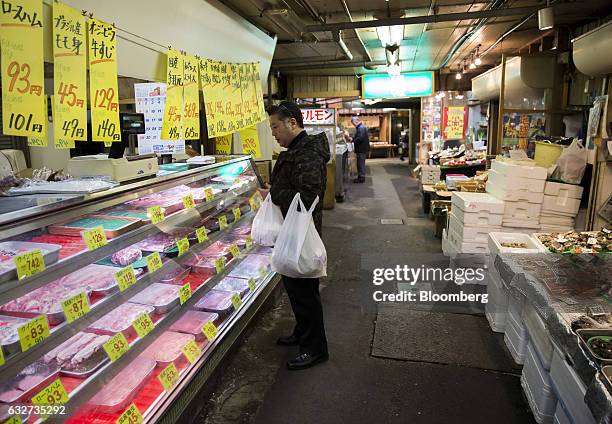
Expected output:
{"points": [[288, 341], [359, 180], [306, 360], [402, 159]]}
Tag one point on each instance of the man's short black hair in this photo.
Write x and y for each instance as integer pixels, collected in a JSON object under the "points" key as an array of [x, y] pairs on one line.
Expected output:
{"points": [[287, 110]]}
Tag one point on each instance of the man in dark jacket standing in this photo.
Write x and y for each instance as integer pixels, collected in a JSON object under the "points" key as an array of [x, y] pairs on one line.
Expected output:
{"points": [[362, 146], [301, 168]]}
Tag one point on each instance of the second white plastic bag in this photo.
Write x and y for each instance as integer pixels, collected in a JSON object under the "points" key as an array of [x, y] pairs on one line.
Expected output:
{"points": [[299, 251], [267, 223], [572, 163]]}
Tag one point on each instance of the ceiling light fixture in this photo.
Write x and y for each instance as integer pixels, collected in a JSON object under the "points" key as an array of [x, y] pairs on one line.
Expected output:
{"points": [[394, 70], [390, 35], [478, 60], [458, 75], [463, 67], [546, 18], [472, 64]]}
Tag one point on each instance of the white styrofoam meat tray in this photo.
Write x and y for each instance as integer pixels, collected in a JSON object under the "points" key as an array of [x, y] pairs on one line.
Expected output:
{"points": [[514, 195], [478, 218], [477, 202], [538, 389], [519, 171], [561, 206], [563, 190], [470, 234], [496, 239], [516, 183]]}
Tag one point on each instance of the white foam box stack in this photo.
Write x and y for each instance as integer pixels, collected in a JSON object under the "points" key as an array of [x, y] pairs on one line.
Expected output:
{"points": [[560, 207], [516, 335], [536, 384], [561, 416], [496, 308], [430, 174], [539, 338], [452, 179]]}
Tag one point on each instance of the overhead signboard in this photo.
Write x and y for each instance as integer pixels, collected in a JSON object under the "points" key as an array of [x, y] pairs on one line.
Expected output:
{"points": [[414, 84], [318, 116]]}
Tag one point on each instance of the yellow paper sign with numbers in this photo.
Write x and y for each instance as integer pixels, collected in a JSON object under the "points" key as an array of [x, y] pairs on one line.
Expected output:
{"points": [[29, 263], [169, 376], [252, 284], [183, 246], [222, 222], [172, 125], [184, 293], [143, 324], [125, 278], [75, 307], [191, 103], [33, 332], [223, 144], [131, 415], [220, 264], [1, 357], [237, 213], [156, 214], [116, 346], [236, 301], [188, 202], [209, 194], [202, 234], [210, 331], [53, 394], [192, 351], [250, 142], [249, 242], [154, 262], [234, 250]]}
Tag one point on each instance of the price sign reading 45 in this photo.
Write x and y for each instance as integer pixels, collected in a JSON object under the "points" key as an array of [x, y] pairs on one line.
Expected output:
{"points": [[75, 307], [143, 325], [125, 278], [131, 415], [169, 376], [154, 262], [94, 238], [184, 293], [53, 394], [191, 351], [29, 263], [116, 346], [33, 332]]}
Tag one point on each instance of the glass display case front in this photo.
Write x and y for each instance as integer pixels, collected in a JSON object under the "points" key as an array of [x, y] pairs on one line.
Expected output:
{"points": [[110, 303]]}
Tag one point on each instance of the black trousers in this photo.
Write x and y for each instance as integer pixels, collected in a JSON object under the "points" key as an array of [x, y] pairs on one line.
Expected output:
{"points": [[306, 304]]}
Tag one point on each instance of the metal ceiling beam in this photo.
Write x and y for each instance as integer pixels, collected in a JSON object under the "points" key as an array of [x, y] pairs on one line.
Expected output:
{"points": [[427, 19], [328, 65]]}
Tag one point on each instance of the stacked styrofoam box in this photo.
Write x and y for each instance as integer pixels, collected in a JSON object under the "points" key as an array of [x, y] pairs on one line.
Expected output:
{"points": [[452, 179], [473, 217], [430, 174], [561, 416], [537, 387], [522, 189], [516, 335], [538, 335], [560, 207]]}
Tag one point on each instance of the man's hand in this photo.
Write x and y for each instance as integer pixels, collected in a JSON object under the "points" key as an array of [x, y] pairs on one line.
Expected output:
{"points": [[264, 191]]}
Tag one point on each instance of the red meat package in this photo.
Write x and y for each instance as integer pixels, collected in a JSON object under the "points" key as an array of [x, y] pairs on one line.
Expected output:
{"points": [[167, 347], [161, 296], [250, 267], [80, 354], [217, 301], [192, 323], [120, 319]]}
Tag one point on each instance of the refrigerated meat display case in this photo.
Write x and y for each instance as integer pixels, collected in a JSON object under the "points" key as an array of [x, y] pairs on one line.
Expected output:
{"points": [[77, 330]]}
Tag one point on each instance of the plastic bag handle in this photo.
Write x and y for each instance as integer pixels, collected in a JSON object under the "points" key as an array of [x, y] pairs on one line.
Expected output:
{"points": [[303, 208]]}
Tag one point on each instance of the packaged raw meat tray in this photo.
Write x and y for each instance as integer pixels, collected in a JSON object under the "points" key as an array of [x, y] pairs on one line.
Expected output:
{"points": [[113, 226], [167, 347], [79, 356], [162, 297], [175, 275], [9, 338], [237, 239], [160, 242], [250, 266], [217, 249], [242, 229], [192, 323], [120, 319], [217, 301], [69, 246], [262, 250], [234, 284], [119, 392], [25, 384], [142, 216], [10, 249]]}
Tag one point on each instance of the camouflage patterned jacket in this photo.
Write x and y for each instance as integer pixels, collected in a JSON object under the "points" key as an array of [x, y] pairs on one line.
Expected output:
{"points": [[302, 168]]}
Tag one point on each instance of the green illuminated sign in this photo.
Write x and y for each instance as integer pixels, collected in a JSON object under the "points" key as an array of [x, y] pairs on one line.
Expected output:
{"points": [[414, 84]]}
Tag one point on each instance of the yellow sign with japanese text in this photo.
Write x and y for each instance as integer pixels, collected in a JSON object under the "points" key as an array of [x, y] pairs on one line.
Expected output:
{"points": [[173, 116], [261, 115], [223, 144], [210, 96], [24, 105], [191, 103], [103, 91], [233, 103], [250, 142], [70, 74]]}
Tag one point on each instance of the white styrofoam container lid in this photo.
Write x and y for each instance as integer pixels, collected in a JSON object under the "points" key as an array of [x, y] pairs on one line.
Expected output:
{"points": [[478, 218], [514, 170], [477, 202], [497, 238], [542, 403], [514, 195], [565, 190], [515, 183]]}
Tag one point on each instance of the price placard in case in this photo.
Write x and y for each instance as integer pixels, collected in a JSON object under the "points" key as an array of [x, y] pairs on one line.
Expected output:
{"points": [[53, 394], [33, 332], [94, 238], [29, 263], [131, 415], [75, 307]]}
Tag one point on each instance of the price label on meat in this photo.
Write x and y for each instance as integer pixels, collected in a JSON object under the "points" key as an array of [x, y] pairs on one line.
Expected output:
{"points": [[29, 263], [252, 284], [156, 214], [263, 271], [234, 250], [154, 262], [219, 264], [143, 324], [116, 346], [191, 351], [249, 242], [185, 293], [188, 202], [94, 238], [1, 357], [236, 301], [210, 331], [131, 415], [53, 394], [237, 181], [125, 278], [209, 194], [202, 234], [75, 307], [182, 245], [236, 214], [222, 222], [252, 204], [168, 376], [258, 198], [33, 332]]}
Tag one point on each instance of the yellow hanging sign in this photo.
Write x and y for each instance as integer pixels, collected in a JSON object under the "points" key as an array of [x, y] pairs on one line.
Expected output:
{"points": [[29, 263], [24, 106], [261, 115], [233, 102], [209, 91], [250, 142], [103, 92], [173, 116], [70, 73], [33, 332], [223, 144], [191, 108], [38, 141]]}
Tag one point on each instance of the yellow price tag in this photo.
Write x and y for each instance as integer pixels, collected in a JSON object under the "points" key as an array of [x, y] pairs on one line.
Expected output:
{"points": [[143, 324], [183, 246], [185, 293], [29, 263], [210, 331], [154, 262], [1, 357], [209, 194], [202, 234], [249, 242], [252, 204], [252, 284], [220, 264], [222, 222], [236, 214], [236, 301], [53, 394], [75, 307], [125, 278], [131, 415], [234, 250], [95, 238], [263, 271], [156, 214], [33, 332], [192, 351], [258, 197], [168, 377], [188, 202], [15, 419], [237, 180], [116, 346]]}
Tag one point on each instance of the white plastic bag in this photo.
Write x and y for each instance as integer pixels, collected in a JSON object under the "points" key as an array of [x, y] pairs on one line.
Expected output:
{"points": [[267, 223], [299, 251], [572, 163]]}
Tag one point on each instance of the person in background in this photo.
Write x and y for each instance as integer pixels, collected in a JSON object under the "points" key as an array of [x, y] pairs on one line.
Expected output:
{"points": [[404, 144], [301, 168], [362, 146]]}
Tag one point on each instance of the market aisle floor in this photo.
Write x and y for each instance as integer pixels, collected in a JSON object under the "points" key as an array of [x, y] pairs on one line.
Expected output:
{"points": [[469, 378]]}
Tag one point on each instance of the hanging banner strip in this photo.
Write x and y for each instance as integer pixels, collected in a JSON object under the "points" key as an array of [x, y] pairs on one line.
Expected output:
{"points": [[250, 142], [261, 115], [24, 107], [209, 100], [103, 92], [191, 109], [173, 117], [70, 73], [223, 144], [234, 99]]}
